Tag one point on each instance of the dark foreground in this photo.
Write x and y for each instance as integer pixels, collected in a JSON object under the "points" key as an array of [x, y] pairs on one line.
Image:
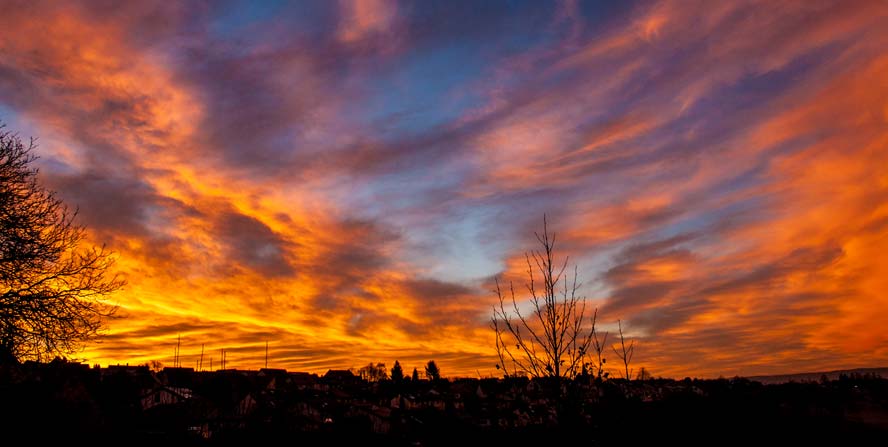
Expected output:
{"points": [[71, 403]]}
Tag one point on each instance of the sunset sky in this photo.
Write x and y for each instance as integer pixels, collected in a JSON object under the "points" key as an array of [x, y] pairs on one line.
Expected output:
{"points": [[345, 179]]}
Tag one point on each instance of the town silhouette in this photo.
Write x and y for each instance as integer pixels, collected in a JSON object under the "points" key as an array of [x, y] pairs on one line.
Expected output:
{"points": [[183, 406], [444, 223]]}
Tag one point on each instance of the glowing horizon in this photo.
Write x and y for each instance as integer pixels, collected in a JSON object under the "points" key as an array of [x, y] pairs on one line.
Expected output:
{"points": [[344, 180]]}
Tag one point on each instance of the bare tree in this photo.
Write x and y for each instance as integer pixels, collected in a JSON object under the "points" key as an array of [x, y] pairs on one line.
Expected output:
{"points": [[598, 346], [552, 339], [374, 372], [52, 292], [432, 371], [625, 352]]}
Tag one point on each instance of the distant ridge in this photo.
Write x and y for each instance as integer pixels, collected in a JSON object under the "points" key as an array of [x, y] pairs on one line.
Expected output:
{"points": [[815, 376]]}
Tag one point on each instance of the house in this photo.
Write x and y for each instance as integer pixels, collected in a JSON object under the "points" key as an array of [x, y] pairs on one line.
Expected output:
{"points": [[164, 395], [339, 377], [339, 374], [433, 400], [302, 379], [380, 419], [177, 377], [246, 405], [126, 369]]}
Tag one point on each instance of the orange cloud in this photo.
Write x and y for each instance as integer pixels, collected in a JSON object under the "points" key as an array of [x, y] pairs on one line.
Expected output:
{"points": [[716, 172], [362, 19]]}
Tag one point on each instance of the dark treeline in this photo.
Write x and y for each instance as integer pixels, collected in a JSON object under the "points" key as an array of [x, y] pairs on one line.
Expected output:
{"points": [[103, 405]]}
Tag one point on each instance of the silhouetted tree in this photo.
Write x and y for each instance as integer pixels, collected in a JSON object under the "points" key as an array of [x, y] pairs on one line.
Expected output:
{"points": [[52, 291], [415, 376], [625, 352], [373, 372], [432, 371], [397, 372], [599, 360], [553, 339]]}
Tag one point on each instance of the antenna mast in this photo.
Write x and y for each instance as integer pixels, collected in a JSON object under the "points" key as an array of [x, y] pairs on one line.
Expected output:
{"points": [[176, 357]]}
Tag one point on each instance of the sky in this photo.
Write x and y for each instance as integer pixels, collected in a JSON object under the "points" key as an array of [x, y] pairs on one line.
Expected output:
{"points": [[344, 180]]}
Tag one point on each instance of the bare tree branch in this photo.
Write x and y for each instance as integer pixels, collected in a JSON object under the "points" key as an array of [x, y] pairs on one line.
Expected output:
{"points": [[599, 345], [52, 292], [625, 352], [552, 338]]}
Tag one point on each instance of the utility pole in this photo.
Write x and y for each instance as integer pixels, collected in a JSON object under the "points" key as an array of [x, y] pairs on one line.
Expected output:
{"points": [[176, 356], [200, 362]]}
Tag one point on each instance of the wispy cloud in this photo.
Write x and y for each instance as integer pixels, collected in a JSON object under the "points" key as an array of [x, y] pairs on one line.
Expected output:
{"points": [[343, 179]]}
